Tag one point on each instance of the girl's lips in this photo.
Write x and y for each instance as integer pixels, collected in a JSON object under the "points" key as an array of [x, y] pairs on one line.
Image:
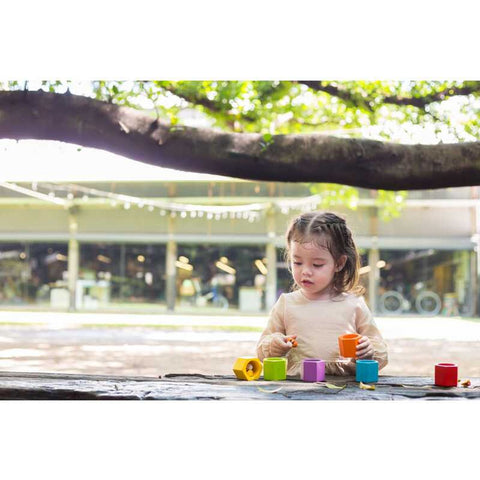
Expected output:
{"points": [[307, 282]]}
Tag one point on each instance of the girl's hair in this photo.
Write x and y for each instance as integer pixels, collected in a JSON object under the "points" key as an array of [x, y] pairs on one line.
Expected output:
{"points": [[326, 229]]}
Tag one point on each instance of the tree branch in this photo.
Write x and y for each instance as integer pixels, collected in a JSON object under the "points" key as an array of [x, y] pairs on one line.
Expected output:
{"points": [[419, 102], [210, 105], [287, 158]]}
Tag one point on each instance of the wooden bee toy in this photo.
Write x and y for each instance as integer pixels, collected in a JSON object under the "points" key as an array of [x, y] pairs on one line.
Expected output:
{"points": [[293, 341]]}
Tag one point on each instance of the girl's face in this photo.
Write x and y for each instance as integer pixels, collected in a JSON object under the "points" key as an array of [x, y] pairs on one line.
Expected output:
{"points": [[313, 269]]}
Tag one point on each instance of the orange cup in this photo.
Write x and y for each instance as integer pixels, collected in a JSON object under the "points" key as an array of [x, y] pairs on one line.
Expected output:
{"points": [[348, 344]]}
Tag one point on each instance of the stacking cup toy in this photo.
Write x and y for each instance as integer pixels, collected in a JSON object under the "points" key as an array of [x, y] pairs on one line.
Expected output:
{"points": [[446, 374], [247, 368], [274, 368], [348, 344], [313, 370], [367, 371]]}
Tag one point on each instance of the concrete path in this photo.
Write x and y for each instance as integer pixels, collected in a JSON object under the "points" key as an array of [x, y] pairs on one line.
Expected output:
{"points": [[126, 344], [432, 328], [78, 319]]}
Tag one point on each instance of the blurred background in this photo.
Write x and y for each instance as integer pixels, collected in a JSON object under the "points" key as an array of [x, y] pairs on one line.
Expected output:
{"points": [[110, 265]]}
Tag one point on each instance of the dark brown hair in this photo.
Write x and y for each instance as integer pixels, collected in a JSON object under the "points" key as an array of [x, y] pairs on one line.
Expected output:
{"points": [[328, 230]]}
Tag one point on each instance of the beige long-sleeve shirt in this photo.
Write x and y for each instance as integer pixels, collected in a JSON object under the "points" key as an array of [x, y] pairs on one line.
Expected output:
{"points": [[318, 324]]}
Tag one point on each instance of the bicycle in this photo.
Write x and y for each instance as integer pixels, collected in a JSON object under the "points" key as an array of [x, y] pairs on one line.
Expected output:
{"points": [[426, 302], [216, 300]]}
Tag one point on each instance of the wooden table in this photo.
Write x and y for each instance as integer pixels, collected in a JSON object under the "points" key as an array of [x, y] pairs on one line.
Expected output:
{"points": [[58, 386]]}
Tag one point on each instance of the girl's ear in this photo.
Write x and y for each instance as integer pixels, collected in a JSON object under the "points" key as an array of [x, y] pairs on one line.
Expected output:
{"points": [[341, 263]]}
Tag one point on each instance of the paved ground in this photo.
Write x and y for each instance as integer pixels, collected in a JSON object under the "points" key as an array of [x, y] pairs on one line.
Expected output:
{"points": [[120, 344]]}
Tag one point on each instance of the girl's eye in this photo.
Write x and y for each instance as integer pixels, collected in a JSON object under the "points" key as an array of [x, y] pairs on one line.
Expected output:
{"points": [[296, 263], [317, 266]]}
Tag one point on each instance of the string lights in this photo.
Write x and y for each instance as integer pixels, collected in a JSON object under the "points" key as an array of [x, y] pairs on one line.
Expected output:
{"points": [[33, 193], [78, 194], [304, 204]]}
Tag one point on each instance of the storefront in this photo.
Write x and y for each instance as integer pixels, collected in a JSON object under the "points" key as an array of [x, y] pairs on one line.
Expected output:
{"points": [[215, 244], [426, 282], [220, 276]]}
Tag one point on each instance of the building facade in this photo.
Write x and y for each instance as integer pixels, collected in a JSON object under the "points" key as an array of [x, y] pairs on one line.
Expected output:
{"points": [[217, 243]]}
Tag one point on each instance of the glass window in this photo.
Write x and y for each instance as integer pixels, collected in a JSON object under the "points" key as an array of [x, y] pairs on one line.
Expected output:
{"points": [[14, 274], [425, 282], [112, 275], [220, 275], [30, 271]]}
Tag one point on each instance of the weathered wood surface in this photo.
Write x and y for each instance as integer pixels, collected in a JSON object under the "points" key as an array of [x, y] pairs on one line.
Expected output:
{"points": [[57, 386]]}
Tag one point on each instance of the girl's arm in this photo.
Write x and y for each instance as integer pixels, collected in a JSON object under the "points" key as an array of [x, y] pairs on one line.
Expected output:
{"points": [[366, 326], [272, 341], [340, 369]]}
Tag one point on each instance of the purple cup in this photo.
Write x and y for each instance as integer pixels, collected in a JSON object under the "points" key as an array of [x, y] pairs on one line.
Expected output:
{"points": [[313, 370]]}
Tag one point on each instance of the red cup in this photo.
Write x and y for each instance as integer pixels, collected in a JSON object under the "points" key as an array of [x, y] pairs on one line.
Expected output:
{"points": [[348, 344], [446, 374]]}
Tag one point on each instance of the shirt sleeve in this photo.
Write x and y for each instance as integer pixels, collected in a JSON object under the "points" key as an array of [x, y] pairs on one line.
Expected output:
{"points": [[366, 326], [340, 368], [275, 326]]}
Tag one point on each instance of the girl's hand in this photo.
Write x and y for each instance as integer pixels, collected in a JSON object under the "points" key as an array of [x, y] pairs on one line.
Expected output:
{"points": [[365, 348], [280, 346]]}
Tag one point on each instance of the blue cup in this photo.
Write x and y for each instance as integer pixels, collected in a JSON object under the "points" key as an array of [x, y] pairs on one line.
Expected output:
{"points": [[367, 371]]}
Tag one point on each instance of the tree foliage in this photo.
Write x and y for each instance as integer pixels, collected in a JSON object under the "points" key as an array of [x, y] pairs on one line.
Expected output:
{"points": [[426, 112]]}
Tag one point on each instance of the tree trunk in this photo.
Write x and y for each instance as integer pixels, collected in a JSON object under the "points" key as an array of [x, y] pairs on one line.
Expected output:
{"points": [[286, 158]]}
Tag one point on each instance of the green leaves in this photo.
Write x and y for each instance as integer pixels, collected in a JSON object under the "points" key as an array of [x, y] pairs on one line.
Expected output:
{"points": [[334, 195], [384, 110], [267, 140], [388, 203], [397, 111]]}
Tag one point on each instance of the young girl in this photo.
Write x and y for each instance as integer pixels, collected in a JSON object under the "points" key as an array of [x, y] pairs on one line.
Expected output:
{"points": [[326, 301]]}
